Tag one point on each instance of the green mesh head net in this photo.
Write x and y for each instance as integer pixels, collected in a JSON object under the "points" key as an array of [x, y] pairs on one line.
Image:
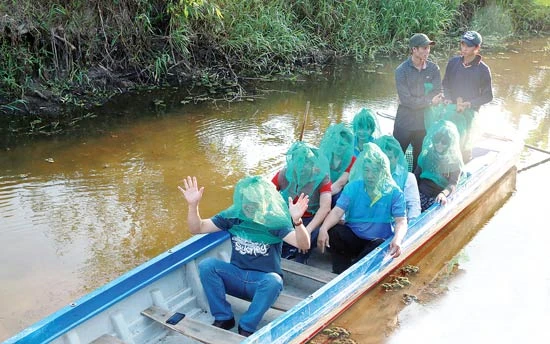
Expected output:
{"points": [[365, 129], [447, 112], [306, 168], [261, 208], [373, 168], [337, 146], [441, 154], [398, 163]]}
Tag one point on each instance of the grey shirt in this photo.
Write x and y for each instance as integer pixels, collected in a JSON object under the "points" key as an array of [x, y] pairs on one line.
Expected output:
{"points": [[413, 100]]}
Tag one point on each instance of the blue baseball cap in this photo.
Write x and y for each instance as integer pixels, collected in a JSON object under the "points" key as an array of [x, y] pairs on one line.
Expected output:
{"points": [[471, 38]]}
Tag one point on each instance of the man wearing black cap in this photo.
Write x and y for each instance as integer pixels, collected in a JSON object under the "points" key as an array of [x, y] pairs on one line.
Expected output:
{"points": [[467, 81], [418, 83]]}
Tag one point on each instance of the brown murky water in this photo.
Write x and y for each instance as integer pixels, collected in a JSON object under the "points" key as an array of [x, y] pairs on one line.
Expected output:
{"points": [[78, 211]]}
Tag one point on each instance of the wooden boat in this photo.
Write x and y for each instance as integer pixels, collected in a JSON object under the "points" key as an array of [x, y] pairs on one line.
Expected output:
{"points": [[134, 308]]}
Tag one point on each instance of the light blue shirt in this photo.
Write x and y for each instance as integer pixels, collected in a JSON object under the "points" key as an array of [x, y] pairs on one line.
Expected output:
{"points": [[370, 221]]}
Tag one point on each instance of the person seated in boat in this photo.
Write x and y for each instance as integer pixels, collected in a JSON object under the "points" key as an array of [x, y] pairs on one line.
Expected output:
{"points": [[372, 202], [307, 172], [439, 164], [258, 222], [337, 146], [402, 177], [365, 129]]}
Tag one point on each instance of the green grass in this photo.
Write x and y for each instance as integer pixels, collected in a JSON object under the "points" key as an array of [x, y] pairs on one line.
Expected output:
{"points": [[88, 46]]}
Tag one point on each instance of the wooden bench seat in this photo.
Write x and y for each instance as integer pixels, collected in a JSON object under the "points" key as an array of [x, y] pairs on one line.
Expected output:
{"points": [[192, 328], [308, 271], [285, 302]]}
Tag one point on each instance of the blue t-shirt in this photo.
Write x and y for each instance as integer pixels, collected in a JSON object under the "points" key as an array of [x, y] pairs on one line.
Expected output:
{"points": [[366, 220], [250, 255]]}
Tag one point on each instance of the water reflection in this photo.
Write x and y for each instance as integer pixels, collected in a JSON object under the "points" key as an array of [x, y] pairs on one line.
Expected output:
{"points": [[500, 293], [76, 212]]}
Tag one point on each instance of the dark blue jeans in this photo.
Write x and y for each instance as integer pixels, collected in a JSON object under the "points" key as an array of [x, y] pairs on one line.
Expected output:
{"points": [[219, 277]]}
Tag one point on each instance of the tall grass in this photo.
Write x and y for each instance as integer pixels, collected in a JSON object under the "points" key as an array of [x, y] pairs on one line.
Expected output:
{"points": [[399, 19], [98, 46], [348, 27], [263, 36], [501, 17]]}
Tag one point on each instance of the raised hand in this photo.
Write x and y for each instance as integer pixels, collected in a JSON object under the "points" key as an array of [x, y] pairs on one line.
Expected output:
{"points": [[298, 209], [191, 191]]}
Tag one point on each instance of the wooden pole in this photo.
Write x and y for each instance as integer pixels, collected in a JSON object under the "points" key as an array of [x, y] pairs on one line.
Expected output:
{"points": [[385, 115], [304, 123]]}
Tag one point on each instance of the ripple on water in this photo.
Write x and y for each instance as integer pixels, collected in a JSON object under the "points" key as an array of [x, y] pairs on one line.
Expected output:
{"points": [[49, 202]]}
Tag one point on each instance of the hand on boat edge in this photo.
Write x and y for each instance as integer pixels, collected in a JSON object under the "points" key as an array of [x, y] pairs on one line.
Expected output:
{"points": [[395, 249]]}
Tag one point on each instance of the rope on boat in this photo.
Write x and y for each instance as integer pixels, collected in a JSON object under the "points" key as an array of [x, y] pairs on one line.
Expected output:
{"points": [[536, 148], [537, 163], [533, 165]]}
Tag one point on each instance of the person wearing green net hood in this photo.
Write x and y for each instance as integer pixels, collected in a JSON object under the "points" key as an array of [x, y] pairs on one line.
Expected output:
{"points": [[258, 222], [365, 129], [402, 177], [337, 146], [374, 208], [440, 164], [307, 172]]}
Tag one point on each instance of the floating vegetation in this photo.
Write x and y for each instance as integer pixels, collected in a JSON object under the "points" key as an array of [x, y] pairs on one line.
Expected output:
{"points": [[399, 282], [333, 335], [409, 298], [410, 269]]}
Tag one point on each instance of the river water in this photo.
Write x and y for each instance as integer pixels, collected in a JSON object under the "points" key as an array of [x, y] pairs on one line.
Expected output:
{"points": [[78, 210]]}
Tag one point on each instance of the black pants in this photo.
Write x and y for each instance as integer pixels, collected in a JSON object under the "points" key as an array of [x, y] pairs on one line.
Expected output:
{"points": [[412, 137], [347, 248], [426, 201]]}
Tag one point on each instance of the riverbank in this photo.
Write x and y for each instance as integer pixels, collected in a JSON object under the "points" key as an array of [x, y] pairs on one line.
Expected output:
{"points": [[60, 62]]}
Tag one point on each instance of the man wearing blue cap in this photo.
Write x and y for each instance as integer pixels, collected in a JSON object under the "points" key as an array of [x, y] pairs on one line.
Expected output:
{"points": [[467, 80], [418, 83]]}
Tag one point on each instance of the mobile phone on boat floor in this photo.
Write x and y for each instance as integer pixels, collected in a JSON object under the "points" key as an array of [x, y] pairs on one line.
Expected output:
{"points": [[176, 318]]}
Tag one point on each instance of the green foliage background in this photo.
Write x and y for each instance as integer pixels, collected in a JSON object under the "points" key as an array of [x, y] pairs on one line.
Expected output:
{"points": [[70, 50]]}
